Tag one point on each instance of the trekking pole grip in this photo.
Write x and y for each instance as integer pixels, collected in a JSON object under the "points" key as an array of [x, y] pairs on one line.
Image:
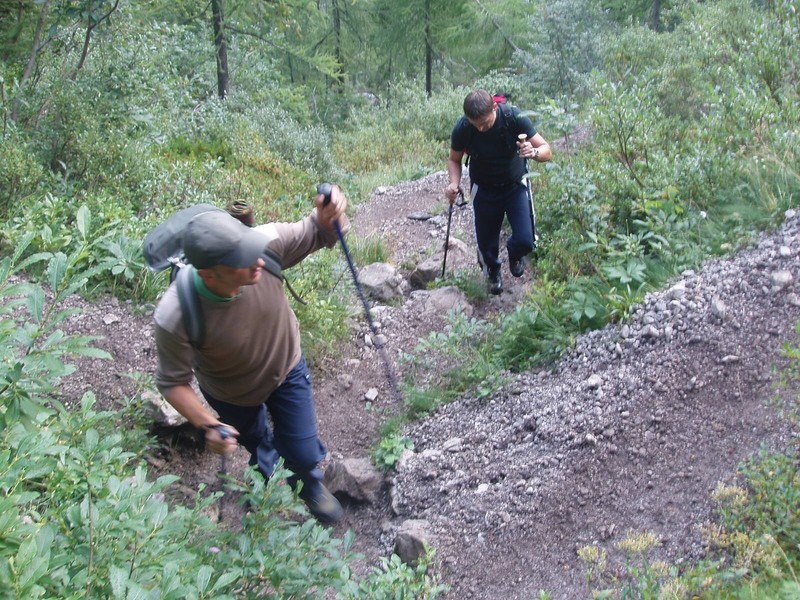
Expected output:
{"points": [[325, 189]]}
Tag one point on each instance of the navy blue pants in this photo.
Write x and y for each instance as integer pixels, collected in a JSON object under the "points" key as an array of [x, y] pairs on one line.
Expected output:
{"points": [[293, 434], [491, 206]]}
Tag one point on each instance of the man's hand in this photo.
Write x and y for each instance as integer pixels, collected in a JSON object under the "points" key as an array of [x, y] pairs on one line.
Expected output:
{"points": [[221, 438], [330, 213], [184, 399], [451, 191]]}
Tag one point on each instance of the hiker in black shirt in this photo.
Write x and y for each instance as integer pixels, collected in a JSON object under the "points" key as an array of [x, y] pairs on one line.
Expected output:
{"points": [[490, 132]]}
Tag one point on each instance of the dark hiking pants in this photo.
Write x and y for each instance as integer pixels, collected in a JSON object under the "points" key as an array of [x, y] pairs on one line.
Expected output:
{"points": [[293, 434], [491, 206]]}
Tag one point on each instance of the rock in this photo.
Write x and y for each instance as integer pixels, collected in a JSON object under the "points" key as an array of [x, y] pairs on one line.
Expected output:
{"points": [[162, 411], [382, 281], [781, 279], [594, 382], [458, 255], [452, 445], [356, 478], [441, 301], [411, 540], [718, 308]]}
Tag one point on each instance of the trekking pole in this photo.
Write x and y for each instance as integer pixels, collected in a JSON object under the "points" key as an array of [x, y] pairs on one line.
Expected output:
{"points": [[533, 212], [224, 433], [447, 237], [523, 137], [325, 189]]}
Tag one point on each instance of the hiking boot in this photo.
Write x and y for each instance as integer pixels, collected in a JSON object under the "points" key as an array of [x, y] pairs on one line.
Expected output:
{"points": [[321, 503], [517, 266], [495, 282]]}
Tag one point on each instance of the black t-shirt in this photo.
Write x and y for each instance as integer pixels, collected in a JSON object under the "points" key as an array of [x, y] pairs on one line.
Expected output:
{"points": [[493, 161]]}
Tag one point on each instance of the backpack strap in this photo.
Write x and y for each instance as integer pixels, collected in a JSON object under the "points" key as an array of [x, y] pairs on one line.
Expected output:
{"points": [[191, 310], [273, 263], [465, 125], [509, 124]]}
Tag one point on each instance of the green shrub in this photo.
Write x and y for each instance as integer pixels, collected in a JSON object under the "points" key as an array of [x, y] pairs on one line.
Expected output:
{"points": [[80, 516], [534, 333], [773, 486], [470, 281], [367, 250], [20, 171], [394, 580]]}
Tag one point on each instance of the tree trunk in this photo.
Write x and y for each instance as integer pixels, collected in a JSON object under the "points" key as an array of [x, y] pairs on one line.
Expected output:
{"points": [[37, 40], [221, 48], [91, 24], [337, 36], [655, 15], [428, 50]]}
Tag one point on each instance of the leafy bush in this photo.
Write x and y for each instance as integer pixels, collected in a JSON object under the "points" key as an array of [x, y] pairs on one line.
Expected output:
{"points": [[534, 333], [409, 108], [565, 43], [32, 346], [765, 506], [306, 147], [80, 516], [393, 580], [20, 171]]}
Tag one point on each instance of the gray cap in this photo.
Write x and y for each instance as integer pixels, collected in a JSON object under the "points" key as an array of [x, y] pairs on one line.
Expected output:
{"points": [[216, 238]]}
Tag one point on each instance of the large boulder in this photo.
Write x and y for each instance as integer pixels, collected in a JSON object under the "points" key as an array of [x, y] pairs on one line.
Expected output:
{"points": [[381, 281]]}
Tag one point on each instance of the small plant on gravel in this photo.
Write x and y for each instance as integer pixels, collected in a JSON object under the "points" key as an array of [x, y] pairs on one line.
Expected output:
{"points": [[390, 449], [755, 545], [446, 363], [469, 281], [788, 379], [451, 347], [772, 497], [640, 577], [595, 560], [394, 580]]}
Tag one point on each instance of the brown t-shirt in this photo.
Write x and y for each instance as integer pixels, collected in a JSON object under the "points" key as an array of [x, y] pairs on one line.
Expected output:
{"points": [[252, 341]]}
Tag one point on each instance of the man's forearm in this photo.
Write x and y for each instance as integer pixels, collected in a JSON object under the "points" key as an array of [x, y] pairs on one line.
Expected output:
{"points": [[184, 399], [454, 172]]}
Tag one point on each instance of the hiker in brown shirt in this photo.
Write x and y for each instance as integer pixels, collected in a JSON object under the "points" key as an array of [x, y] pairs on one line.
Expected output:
{"points": [[250, 361]]}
